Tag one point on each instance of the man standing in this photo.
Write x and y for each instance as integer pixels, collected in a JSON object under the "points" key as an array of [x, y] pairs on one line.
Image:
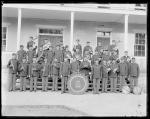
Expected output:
{"points": [[87, 49], [99, 48], [21, 53], [58, 53], [78, 46]]}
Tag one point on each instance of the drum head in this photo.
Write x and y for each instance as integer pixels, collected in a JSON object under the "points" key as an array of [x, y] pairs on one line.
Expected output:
{"points": [[78, 84]]}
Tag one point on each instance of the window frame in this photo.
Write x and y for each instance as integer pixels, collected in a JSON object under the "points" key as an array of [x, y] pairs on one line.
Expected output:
{"points": [[5, 25], [142, 32]]}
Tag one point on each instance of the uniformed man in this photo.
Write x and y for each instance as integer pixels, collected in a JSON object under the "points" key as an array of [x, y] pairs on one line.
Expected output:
{"points": [[112, 47], [78, 46], [50, 55], [123, 72], [113, 75], [67, 54], [105, 71], [33, 73], [75, 66], [30, 54], [13, 70], [55, 68], [113, 56], [77, 55], [134, 72], [127, 60], [96, 76], [24, 72], [31, 43], [45, 74], [58, 53], [87, 49], [65, 71], [21, 53], [99, 48], [95, 57], [105, 55]]}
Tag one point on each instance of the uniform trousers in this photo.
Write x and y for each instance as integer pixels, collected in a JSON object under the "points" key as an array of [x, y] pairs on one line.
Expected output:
{"points": [[12, 81], [113, 83], [64, 83], [44, 83], [33, 83], [123, 81], [22, 83], [96, 84], [104, 84], [55, 83], [133, 81]]}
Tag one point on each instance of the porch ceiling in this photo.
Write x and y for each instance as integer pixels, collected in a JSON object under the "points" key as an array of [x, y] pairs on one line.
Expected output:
{"points": [[65, 15]]}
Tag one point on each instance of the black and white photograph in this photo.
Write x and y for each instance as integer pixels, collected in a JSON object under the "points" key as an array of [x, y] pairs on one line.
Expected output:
{"points": [[74, 60]]}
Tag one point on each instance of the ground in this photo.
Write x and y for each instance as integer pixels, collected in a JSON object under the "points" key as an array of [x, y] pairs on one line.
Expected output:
{"points": [[57, 104]]}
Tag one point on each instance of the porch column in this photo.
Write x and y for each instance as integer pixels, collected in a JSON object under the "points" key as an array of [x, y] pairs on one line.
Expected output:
{"points": [[19, 28], [126, 32], [71, 31]]}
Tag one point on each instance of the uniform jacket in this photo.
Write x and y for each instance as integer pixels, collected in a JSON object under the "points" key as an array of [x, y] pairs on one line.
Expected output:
{"points": [[21, 54], [98, 48], [134, 69], [30, 55], [105, 57], [55, 67], [113, 66], [34, 69], [50, 56], [46, 69], [113, 57], [75, 66], [96, 71], [77, 54], [29, 44], [67, 53], [123, 69], [23, 69], [94, 58], [58, 54], [78, 47], [111, 47], [105, 70], [87, 48], [13, 66], [65, 69]]}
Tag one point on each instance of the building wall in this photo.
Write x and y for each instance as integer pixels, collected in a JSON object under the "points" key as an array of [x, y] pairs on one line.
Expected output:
{"points": [[85, 31]]}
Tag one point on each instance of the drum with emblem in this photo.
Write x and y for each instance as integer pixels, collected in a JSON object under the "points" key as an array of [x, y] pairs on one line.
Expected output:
{"points": [[78, 84]]}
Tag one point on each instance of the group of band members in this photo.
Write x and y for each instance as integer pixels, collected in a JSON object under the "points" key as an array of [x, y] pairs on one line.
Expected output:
{"points": [[59, 63]]}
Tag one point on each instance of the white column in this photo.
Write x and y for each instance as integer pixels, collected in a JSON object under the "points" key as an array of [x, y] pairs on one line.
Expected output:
{"points": [[19, 28], [126, 32], [71, 31]]}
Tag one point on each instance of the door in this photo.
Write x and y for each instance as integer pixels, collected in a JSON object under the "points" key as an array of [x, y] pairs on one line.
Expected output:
{"points": [[105, 41]]}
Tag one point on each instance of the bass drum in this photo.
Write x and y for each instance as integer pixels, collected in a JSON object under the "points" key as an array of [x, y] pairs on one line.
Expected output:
{"points": [[78, 84]]}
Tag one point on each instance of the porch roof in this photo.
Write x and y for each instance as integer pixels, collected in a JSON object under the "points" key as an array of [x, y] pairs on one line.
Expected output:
{"points": [[28, 12]]}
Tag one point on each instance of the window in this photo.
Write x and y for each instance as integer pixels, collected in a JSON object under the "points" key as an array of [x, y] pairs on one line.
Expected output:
{"points": [[50, 31], [103, 34], [4, 37], [139, 46]]}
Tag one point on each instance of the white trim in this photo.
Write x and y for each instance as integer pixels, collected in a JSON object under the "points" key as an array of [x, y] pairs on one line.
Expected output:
{"points": [[104, 29], [126, 23], [75, 9], [139, 31], [4, 24], [50, 34], [50, 26], [19, 28], [71, 31]]}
